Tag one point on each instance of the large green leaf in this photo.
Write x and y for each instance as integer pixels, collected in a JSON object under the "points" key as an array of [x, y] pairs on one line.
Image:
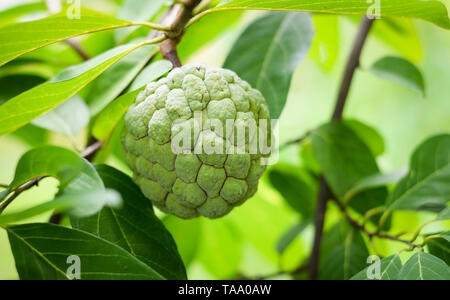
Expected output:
{"points": [[68, 118], [46, 161], [268, 52], [369, 135], [121, 74], [399, 70], [346, 260], [41, 251], [291, 234], [389, 269], [424, 266], [299, 192], [18, 39], [23, 108], [134, 227], [345, 160], [206, 30], [12, 14], [80, 204], [432, 11], [427, 184], [444, 214]]}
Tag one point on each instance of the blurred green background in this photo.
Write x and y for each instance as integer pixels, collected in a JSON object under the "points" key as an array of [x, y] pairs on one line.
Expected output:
{"points": [[243, 243]]}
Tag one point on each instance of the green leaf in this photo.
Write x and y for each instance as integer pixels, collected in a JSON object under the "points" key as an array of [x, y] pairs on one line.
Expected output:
{"points": [[399, 34], [346, 260], [268, 52], [424, 266], [432, 11], [295, 189], [440, 247], [134, 227], [46, 161], [345, 160], [401, 71], [369, 135], [41, 251], [68, 118], [102, 92], [373, 181], [325, 48], [426, 187], [187, 235], [206, 30], [389, 268], [25, 107], [150, 73], [28, 67], [25, 37], [444, 214], [136, 10], [80, 204], [108, 119], [291, 234], [12, 14]]}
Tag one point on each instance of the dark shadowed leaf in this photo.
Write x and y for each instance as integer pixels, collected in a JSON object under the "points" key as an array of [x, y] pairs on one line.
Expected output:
{"points": [[134, 227], [298, 192], [345, 160], [440, 247], [369, 135], [444, 214], [42, 251], [268, 52]]}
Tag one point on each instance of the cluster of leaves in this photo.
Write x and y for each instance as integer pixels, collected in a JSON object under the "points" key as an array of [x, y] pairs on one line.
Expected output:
{"points": [[113, 227]]}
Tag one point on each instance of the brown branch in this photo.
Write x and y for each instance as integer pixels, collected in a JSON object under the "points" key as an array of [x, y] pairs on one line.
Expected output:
{"points": [[324, 189], [371, 234], [78, 49], [352, 64], [176, 18], [319, 219]]}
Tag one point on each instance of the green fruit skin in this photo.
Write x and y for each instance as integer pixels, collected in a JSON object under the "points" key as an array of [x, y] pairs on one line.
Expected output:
{"points": [[190, 185]]}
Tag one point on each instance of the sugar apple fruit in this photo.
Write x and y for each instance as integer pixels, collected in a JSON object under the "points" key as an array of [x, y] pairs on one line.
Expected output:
{"points": [[193, 181]]}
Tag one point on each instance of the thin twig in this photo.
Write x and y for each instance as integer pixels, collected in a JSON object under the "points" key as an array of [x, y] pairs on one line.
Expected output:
{"points": [[352, 64], [371, 234]]}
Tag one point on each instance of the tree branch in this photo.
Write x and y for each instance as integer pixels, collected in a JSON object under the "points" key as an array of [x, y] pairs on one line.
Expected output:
{"points": [[175, 18], [371, 234], [324, 190]]}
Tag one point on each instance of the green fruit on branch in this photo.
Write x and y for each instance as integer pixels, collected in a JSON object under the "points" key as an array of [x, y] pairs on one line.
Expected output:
{"points": [[197, 140]]}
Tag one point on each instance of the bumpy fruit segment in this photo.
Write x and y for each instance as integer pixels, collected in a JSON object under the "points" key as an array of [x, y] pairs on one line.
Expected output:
{"points": [[217, 164]]}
